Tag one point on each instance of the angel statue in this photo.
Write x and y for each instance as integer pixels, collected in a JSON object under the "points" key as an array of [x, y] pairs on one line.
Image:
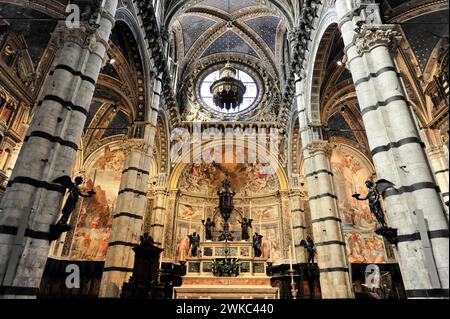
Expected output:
{"points": [[74, 195], [194, 241], [374, 196], [245, 225], [209, 225], [257, 243], [310, 249]]}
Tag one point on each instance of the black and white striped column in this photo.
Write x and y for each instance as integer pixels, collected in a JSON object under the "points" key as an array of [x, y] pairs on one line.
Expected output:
{"points": [[31, 202], [298, 224], [399, 156], [128, 218], [326, 223], [158, 216]]}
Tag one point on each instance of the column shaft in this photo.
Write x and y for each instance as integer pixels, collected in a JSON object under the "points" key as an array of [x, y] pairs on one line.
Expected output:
{"points": [[32, 202], [128, 218], [127, 229], [326, 223], [398, 156], [298, 224], [158, 217]]}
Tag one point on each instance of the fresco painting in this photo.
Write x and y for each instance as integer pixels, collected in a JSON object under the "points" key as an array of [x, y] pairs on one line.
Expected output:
{"points": [[365, 248], [350, 172], [264, 213], [187, 211], [207, 178], [272, 240], [91, 237], [184, 228]]}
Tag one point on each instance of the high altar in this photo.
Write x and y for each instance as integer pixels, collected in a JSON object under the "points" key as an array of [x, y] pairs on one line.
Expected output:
{"points": [[250, 282], [225, 268]]}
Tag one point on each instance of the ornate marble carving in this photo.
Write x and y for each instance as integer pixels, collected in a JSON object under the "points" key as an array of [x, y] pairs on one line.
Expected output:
{"points": [[323, 147], [83, 36], [371, 37], [134, 145]]}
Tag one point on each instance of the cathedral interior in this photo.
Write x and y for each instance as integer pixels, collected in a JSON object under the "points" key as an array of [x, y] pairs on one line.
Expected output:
{"points": [[160, 105]]}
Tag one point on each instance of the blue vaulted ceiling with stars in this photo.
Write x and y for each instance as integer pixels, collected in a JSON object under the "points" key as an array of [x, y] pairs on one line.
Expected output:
{"points": [[236, 26]]}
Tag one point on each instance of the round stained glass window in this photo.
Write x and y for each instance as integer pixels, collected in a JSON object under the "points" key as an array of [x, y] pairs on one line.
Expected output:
{"points": [[250, 95]]}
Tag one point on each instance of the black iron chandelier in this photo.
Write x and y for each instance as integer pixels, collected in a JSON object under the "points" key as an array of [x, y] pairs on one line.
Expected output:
{"points": [[228, 92]]}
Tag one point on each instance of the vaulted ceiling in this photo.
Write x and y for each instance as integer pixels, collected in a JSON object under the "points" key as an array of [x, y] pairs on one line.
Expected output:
{"points": [[247, 27]]}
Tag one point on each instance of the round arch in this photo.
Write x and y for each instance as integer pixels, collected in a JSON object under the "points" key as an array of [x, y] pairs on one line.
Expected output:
{"points": [[327, 25], [124, 15]]}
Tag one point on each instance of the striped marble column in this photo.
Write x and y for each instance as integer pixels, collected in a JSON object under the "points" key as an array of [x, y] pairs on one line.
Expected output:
{"points": [[326, 223], [127, 225], [158, 216], [128, 218], [286, 226], [32, 202], [399, 156], [439, 163], [298, 224]]}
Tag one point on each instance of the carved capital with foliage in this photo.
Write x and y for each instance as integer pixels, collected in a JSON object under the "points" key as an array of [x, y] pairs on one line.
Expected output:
{"points": [[134, 145], [323, 147], [373, 36]]}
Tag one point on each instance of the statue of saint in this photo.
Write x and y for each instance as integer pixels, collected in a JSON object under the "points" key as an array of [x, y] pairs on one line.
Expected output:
{"points": [[209, 225], [310, 249], [194, 243], [74, 194], [374, 196], [257, 242], [245, 225]]}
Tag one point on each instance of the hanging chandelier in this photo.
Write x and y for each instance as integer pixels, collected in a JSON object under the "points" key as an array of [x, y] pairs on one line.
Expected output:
{"points": [[228, 92]]}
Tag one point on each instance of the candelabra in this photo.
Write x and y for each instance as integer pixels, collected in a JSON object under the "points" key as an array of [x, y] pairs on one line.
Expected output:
{"points": [[294, 289]]}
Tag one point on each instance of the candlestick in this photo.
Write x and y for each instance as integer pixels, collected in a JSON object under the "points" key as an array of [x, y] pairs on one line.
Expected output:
{"points": [[290, 257], [204, 211], [190, 225], [260, 222], [250, 213], [294, 289]]}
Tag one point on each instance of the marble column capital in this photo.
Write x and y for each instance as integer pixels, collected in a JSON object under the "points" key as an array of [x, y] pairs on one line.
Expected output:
{"points": [[84, 36], [134, 145], [378, 35], [300, 193], [320, 147]]}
